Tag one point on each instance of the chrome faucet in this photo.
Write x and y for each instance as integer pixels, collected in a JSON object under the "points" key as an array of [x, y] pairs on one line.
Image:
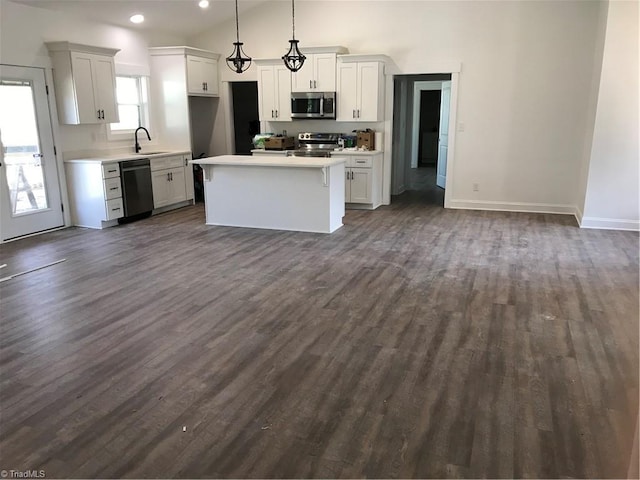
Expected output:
{"points": [[138, 147]]}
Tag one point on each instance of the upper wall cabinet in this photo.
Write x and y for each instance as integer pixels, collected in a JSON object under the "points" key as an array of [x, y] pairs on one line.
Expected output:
{"points": [[360, 92], [202, 73], [318, 74], [85, 83], [173, 100], [274, 91]]}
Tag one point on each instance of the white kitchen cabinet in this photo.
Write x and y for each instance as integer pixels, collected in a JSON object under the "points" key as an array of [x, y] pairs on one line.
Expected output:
{"points": [[202, 75], [181, 119], [168, 180], [358, 185], [274, 91], [318, 74], [363, 179], [360, 90], [85, 83], [95, 193]]}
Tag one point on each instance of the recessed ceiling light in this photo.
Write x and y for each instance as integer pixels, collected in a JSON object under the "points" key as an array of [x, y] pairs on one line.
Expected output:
{"points": [[137, 18], [204, 3]]}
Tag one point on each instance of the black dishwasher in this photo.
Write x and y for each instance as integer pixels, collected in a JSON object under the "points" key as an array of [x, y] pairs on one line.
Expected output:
{"points": [[137, 193]]}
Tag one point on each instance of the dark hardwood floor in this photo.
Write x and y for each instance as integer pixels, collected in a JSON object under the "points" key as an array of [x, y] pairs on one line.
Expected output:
{"points": [[415, 342]]}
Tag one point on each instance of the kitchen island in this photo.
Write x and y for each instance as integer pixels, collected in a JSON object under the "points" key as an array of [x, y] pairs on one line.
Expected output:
{"points": [[303, 194]]}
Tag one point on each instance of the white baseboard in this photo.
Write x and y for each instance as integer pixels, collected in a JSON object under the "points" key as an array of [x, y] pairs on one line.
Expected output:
{"points": [[583, 222], [512, 206], [610, 224]]}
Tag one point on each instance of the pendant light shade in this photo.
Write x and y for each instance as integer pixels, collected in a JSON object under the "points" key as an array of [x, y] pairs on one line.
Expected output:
{"points": [[294, 59], [238, 61]]}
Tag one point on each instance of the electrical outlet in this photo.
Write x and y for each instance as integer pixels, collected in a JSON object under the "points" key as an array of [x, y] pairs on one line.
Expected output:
{"points": [[476, 187]]}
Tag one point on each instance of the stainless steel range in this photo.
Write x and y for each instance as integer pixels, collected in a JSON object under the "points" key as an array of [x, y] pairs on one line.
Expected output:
{"points": [[315, 144]]}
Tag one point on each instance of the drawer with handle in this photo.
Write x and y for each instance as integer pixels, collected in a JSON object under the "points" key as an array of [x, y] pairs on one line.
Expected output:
{"points": [[112, 188], [115, 208], [110, 170], [362, 162]]}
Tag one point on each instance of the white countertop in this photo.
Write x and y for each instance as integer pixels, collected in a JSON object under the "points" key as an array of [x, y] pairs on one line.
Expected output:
{"points": [[126, 156], [270, 161], [356, 152]]}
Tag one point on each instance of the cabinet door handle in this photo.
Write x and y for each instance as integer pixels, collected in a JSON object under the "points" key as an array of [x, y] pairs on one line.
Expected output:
{"points": [[115, 209], [315, 84], [272, 114], [98, 114], [354, 114], [310, 84], [114, 188], [351, 175], [276, 113]]}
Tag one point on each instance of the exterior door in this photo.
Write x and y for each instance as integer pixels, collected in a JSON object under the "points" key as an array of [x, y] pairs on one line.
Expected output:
{"points": [[443, 141], [30, 198]]}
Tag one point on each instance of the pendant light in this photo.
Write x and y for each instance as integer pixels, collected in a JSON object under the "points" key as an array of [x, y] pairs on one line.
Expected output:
{"points": [[294, 59], [238, 60]]}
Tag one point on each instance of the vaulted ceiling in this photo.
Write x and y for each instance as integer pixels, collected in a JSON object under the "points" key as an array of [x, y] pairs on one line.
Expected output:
{"points": [[181, 17]]}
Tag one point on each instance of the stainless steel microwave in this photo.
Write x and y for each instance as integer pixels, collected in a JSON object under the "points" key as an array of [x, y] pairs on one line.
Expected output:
{"points": [[313, 105]]}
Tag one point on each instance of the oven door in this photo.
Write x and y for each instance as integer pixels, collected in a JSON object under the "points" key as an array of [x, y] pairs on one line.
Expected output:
{"points": [[307, 105]]}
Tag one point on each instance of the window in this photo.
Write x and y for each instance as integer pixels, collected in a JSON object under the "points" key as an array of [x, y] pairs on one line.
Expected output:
{"points": [[132, 97]]}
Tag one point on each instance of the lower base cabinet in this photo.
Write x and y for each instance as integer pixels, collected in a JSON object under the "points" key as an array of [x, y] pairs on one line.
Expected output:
{"points": [[363, 180], [357, 186], [169, 180], [95, 193]]}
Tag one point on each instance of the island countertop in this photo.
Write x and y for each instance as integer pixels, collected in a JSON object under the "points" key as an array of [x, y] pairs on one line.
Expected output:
{"points": [[270, 161]]}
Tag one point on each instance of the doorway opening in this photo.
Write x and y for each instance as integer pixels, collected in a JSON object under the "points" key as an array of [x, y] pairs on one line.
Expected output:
{"points": [[420, 143], [244, 100]]}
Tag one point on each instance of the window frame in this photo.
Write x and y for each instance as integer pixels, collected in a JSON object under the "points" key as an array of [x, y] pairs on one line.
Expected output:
{"points": [[142, 82]]}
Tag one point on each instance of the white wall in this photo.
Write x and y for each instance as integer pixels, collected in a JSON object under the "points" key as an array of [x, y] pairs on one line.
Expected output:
{"points": [[611, 199], [524, 86], [23, 32]]}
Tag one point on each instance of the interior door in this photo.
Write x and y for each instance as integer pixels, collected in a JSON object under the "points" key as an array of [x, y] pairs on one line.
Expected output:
{"points": [[443, 140], [30, 198]]}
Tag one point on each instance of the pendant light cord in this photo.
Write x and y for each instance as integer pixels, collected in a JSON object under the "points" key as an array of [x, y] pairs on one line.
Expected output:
{"points": [[293, 18], [237, 27]]}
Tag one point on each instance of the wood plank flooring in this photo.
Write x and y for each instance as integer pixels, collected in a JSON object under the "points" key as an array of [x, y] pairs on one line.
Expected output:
{"points": [[415, 342]]}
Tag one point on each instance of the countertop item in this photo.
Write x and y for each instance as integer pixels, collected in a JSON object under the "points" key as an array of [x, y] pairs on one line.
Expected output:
{"points": [[270, 161]]}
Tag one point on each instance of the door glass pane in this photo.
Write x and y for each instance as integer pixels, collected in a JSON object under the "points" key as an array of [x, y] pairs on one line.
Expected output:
{"points": [[21, 144]]}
